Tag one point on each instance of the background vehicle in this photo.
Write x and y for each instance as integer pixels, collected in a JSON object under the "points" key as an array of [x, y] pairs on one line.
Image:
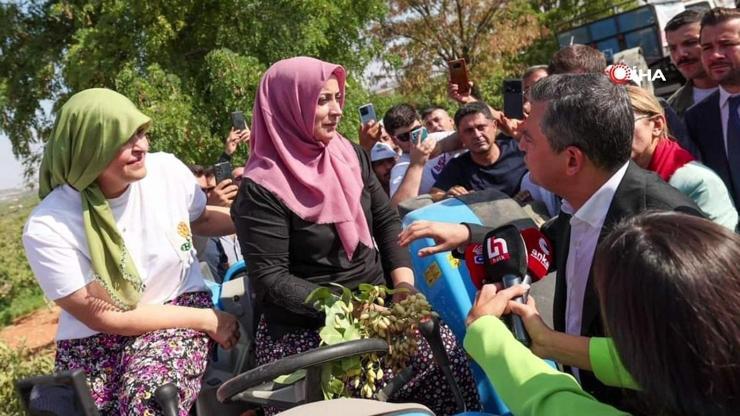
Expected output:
{"points": [[641, 27]]}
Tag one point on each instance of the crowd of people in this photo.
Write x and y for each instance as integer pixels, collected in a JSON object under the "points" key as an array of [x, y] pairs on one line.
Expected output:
{"points": [[642, 193]]}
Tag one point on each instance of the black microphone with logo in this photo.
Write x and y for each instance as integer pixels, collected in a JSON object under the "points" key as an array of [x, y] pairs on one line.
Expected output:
{"points": [[514, 257]]}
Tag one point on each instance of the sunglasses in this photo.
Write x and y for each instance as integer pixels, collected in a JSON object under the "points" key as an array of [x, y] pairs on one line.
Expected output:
{"points": [[404, 137]]}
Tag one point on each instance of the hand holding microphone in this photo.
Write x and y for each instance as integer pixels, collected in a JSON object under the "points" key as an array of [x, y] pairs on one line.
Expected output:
{"points": [[512, 258]]}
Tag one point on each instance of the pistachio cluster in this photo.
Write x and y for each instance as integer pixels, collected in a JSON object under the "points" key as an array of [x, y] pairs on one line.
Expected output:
{"points": [[364, 315], [395, 324]]}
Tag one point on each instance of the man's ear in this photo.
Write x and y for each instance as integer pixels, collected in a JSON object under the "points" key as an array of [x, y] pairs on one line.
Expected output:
{"points": [[576, 160]]}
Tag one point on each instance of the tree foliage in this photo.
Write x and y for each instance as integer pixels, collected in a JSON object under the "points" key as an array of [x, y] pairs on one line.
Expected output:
{"points": [[186, 63], [497, 38]]}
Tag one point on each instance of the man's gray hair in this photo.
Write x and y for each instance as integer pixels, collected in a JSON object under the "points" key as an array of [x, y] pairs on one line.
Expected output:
{"points": [[589, 112]]}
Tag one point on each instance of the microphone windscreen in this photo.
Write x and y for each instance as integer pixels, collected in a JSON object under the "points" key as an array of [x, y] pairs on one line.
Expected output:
{"points": [[475, 261], [539, 253], [505, 253]]}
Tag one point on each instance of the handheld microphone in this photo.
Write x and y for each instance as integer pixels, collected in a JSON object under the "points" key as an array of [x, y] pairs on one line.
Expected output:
{"points": [[539, 256], [475, 260], [539, 253], [507, 262]]}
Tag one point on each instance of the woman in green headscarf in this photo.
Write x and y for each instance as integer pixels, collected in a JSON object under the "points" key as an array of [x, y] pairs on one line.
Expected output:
{"points": [[111, 244]]}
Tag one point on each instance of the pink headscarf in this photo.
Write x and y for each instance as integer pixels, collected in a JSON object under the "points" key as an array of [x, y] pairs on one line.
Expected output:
{"points": [[320, 183]]}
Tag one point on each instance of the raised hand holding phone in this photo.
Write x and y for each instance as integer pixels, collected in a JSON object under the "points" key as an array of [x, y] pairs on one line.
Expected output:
{"points": [[421, 149], [459, 76], [238, 122], [459, 87], [419, 134], [367, 113]]}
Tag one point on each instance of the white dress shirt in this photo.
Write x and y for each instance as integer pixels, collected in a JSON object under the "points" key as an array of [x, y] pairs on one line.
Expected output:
{"points": [[585, 227], [724, 111]]}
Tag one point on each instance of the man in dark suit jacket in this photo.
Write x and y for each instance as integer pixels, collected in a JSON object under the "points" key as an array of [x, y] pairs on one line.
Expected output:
{"points": [[714, 123], [682, 34], [577, 142]]}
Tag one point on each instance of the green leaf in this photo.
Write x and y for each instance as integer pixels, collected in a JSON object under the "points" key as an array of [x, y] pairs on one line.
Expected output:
{"points": [[326, 377], [350, 363], [320, 294], [291, 378], [351, 333], [330, 336], [336, 387], [365, 287]]}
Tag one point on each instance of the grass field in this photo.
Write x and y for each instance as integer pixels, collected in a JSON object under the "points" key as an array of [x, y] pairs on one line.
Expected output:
{"points": [[19, 292], [19, 295]]}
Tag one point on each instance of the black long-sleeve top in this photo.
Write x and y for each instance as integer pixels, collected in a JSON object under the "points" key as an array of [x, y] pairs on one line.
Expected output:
{"points": [[288, 257]]}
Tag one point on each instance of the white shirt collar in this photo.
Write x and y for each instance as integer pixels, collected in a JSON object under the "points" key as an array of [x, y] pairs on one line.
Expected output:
{"points": [[724, 95], [594, 211]]}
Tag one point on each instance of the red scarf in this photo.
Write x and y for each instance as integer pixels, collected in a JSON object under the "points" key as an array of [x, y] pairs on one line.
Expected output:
{"points": [[667, 158]]}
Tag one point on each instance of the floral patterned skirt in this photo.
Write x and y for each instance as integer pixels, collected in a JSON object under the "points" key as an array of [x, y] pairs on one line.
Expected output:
{"points": [[428, 386], [123, 372]]}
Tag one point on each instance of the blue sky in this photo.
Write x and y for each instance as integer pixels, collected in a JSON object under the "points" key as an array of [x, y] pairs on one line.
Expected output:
{"points": [[11, 170]]}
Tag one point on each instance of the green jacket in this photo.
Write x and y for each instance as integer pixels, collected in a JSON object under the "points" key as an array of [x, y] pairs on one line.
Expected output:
{"points": [[607, 366], [526, 383]]}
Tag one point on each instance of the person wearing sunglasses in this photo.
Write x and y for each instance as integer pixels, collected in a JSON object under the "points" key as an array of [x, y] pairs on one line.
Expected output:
{"points": [[653, 149], [417, 167]]}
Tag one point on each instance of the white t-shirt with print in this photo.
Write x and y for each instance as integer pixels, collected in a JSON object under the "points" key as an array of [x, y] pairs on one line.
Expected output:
{"points": [[432, 168], [153, 215]]}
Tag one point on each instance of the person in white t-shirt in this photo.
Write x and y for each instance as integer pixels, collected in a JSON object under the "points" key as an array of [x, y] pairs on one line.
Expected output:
{"points": [[111, 244], [416, 170]]}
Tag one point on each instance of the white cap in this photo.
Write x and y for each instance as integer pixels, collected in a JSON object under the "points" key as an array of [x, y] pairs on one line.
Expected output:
{"points": [[381, 151]]}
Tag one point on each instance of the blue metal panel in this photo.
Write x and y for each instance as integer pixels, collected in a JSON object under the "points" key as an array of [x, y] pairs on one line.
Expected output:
{"points": [[446, 283]]}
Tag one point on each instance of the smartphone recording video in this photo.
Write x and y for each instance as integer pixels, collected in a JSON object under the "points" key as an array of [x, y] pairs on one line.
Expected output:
{"points": [[513, 99], [459, 75], [238, 122], [222, 171], [419, 134], [367, 113]]}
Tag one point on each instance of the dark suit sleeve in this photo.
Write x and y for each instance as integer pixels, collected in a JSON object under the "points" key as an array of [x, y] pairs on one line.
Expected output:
{"points": [[477, 232]]}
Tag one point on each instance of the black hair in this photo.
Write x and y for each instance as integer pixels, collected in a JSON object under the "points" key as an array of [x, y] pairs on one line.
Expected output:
{"points": [[719, 15], [399, 116], [577, 59], [589, 112], [686, 17], [471, 108], [429, 110], [199, 170], [669, 289]]}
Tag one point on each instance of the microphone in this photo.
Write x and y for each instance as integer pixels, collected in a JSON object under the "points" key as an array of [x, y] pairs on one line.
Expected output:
{"points": [[475, 260], [539, 253], [507, 262], [539, 256]]}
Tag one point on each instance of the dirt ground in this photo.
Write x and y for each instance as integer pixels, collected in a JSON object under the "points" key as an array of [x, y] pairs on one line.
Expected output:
{"points": [[36, 330]]}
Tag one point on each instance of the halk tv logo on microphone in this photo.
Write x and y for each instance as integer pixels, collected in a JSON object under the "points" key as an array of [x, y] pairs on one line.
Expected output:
{"points": [[621, 74], [497, 250]]}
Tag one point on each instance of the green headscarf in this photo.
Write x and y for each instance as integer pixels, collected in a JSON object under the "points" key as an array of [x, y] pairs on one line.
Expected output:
{"points": [[90, 129]]}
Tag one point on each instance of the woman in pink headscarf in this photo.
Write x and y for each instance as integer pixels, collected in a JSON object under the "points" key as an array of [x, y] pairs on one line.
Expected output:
{"points": [[310, 212]]}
